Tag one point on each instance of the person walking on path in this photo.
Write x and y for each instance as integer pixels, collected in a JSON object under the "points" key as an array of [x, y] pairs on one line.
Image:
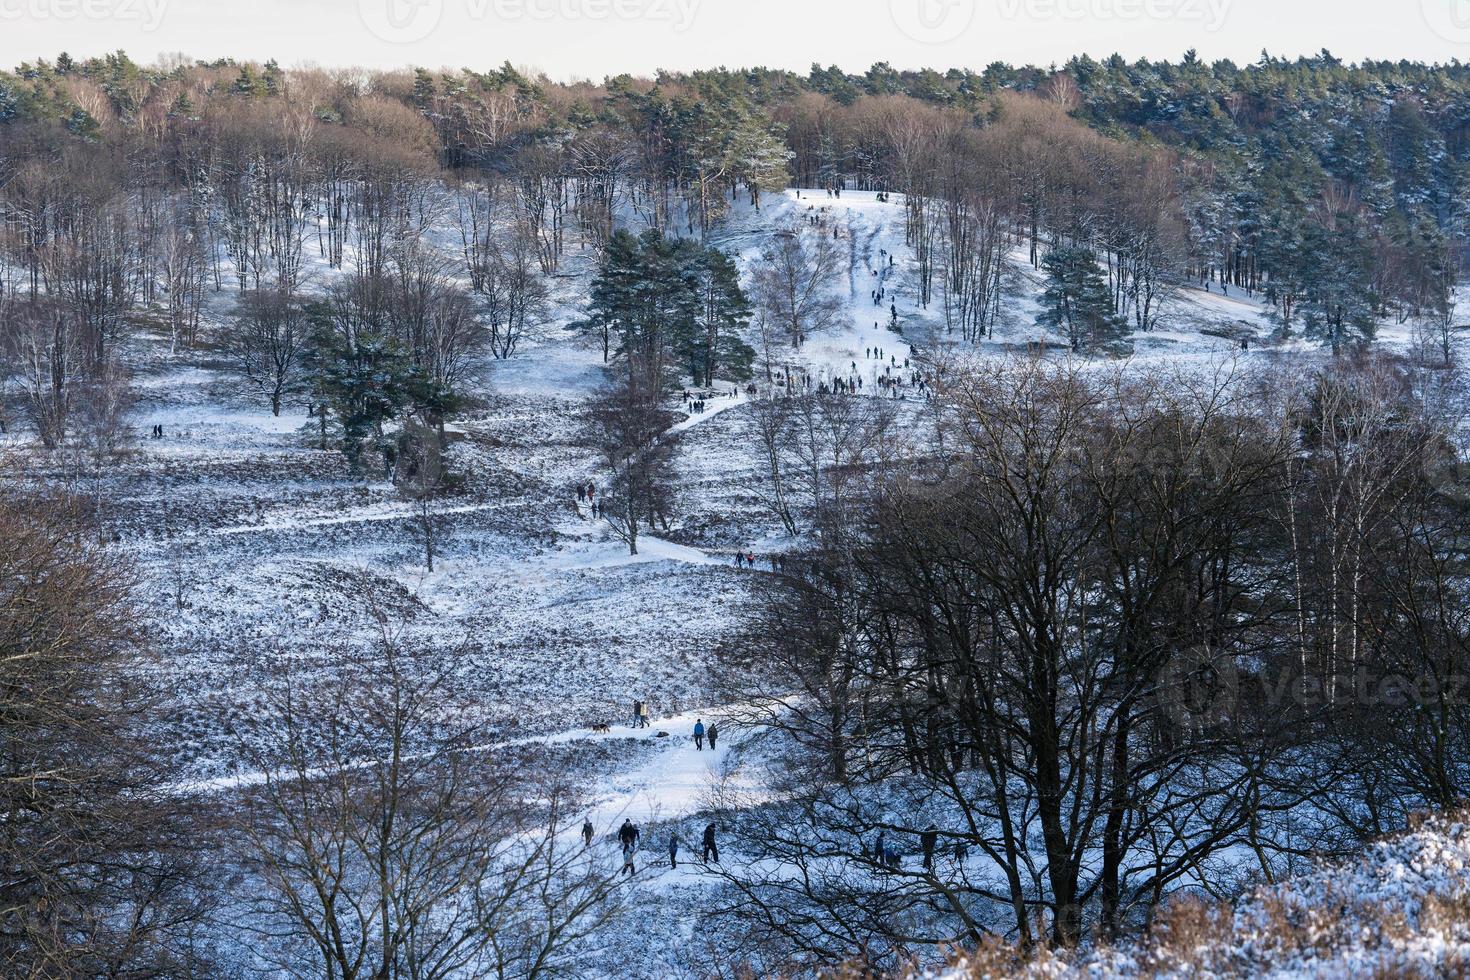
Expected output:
{"points": [[673, 851], [699, 734], [711, 733], [628, 837], [637, 712], [587, 831], [643, 718], [711, 850], [927, 842]]}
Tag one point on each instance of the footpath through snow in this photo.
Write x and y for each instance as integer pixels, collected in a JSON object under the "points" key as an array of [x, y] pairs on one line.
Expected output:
{"points": [[666, 788]]}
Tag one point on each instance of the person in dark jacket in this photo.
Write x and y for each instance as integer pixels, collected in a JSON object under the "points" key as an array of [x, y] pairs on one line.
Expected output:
{"points": [[587, 831], [711, 733], [673, 850], [627, 834], [928, 840], [711, 850]]}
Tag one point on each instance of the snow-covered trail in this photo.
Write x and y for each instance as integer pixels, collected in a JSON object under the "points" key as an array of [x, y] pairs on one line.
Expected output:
{"points": [[604, 551], [669, 786], [281, 523], [873, 231], [713, 407], [672, 785]]}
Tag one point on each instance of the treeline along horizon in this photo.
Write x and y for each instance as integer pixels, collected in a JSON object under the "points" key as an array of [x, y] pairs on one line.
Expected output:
{"points": [[1335, 189]]}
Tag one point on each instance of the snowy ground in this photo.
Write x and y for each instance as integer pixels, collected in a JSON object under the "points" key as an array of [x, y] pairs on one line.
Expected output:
{"points": [[245, 532], [1399, 910]]}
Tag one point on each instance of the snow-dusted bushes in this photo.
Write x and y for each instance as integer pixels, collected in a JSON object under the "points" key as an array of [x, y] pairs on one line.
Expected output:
{"points": [[1400, 909]]}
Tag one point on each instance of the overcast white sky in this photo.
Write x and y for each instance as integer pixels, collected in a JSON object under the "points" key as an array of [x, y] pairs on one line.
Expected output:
{"points": [[593, 38]]}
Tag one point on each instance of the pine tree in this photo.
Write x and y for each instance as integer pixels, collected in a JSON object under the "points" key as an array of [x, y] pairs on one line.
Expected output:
{"points": [[1337, 300], [1077, 300], [644, 292], [658, 300], [715, 346], [362, 377], [248, 84], [424, 91]]}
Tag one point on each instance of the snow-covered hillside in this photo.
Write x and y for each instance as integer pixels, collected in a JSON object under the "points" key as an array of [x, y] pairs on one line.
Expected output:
{"points": [[257, 546], [241, 519]]}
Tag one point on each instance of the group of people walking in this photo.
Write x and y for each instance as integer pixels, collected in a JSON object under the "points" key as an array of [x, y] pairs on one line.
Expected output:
{"points": [[587, 494], [629, 836], [888, 856], [746, 559], [701, 733], [695, 403], [883, 852], [711, 851], [640, 714]]}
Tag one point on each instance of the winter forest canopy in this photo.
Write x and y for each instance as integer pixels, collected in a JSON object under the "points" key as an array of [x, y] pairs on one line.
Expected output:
{"points": [[460, 524]]}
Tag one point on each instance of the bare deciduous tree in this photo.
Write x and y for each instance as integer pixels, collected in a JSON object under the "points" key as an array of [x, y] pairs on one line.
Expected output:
{"points": [[44, 346], [101, 410], [794, 282], [268, 340], [97, 877], [630, 433], [516, 298], [390, 845]]}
